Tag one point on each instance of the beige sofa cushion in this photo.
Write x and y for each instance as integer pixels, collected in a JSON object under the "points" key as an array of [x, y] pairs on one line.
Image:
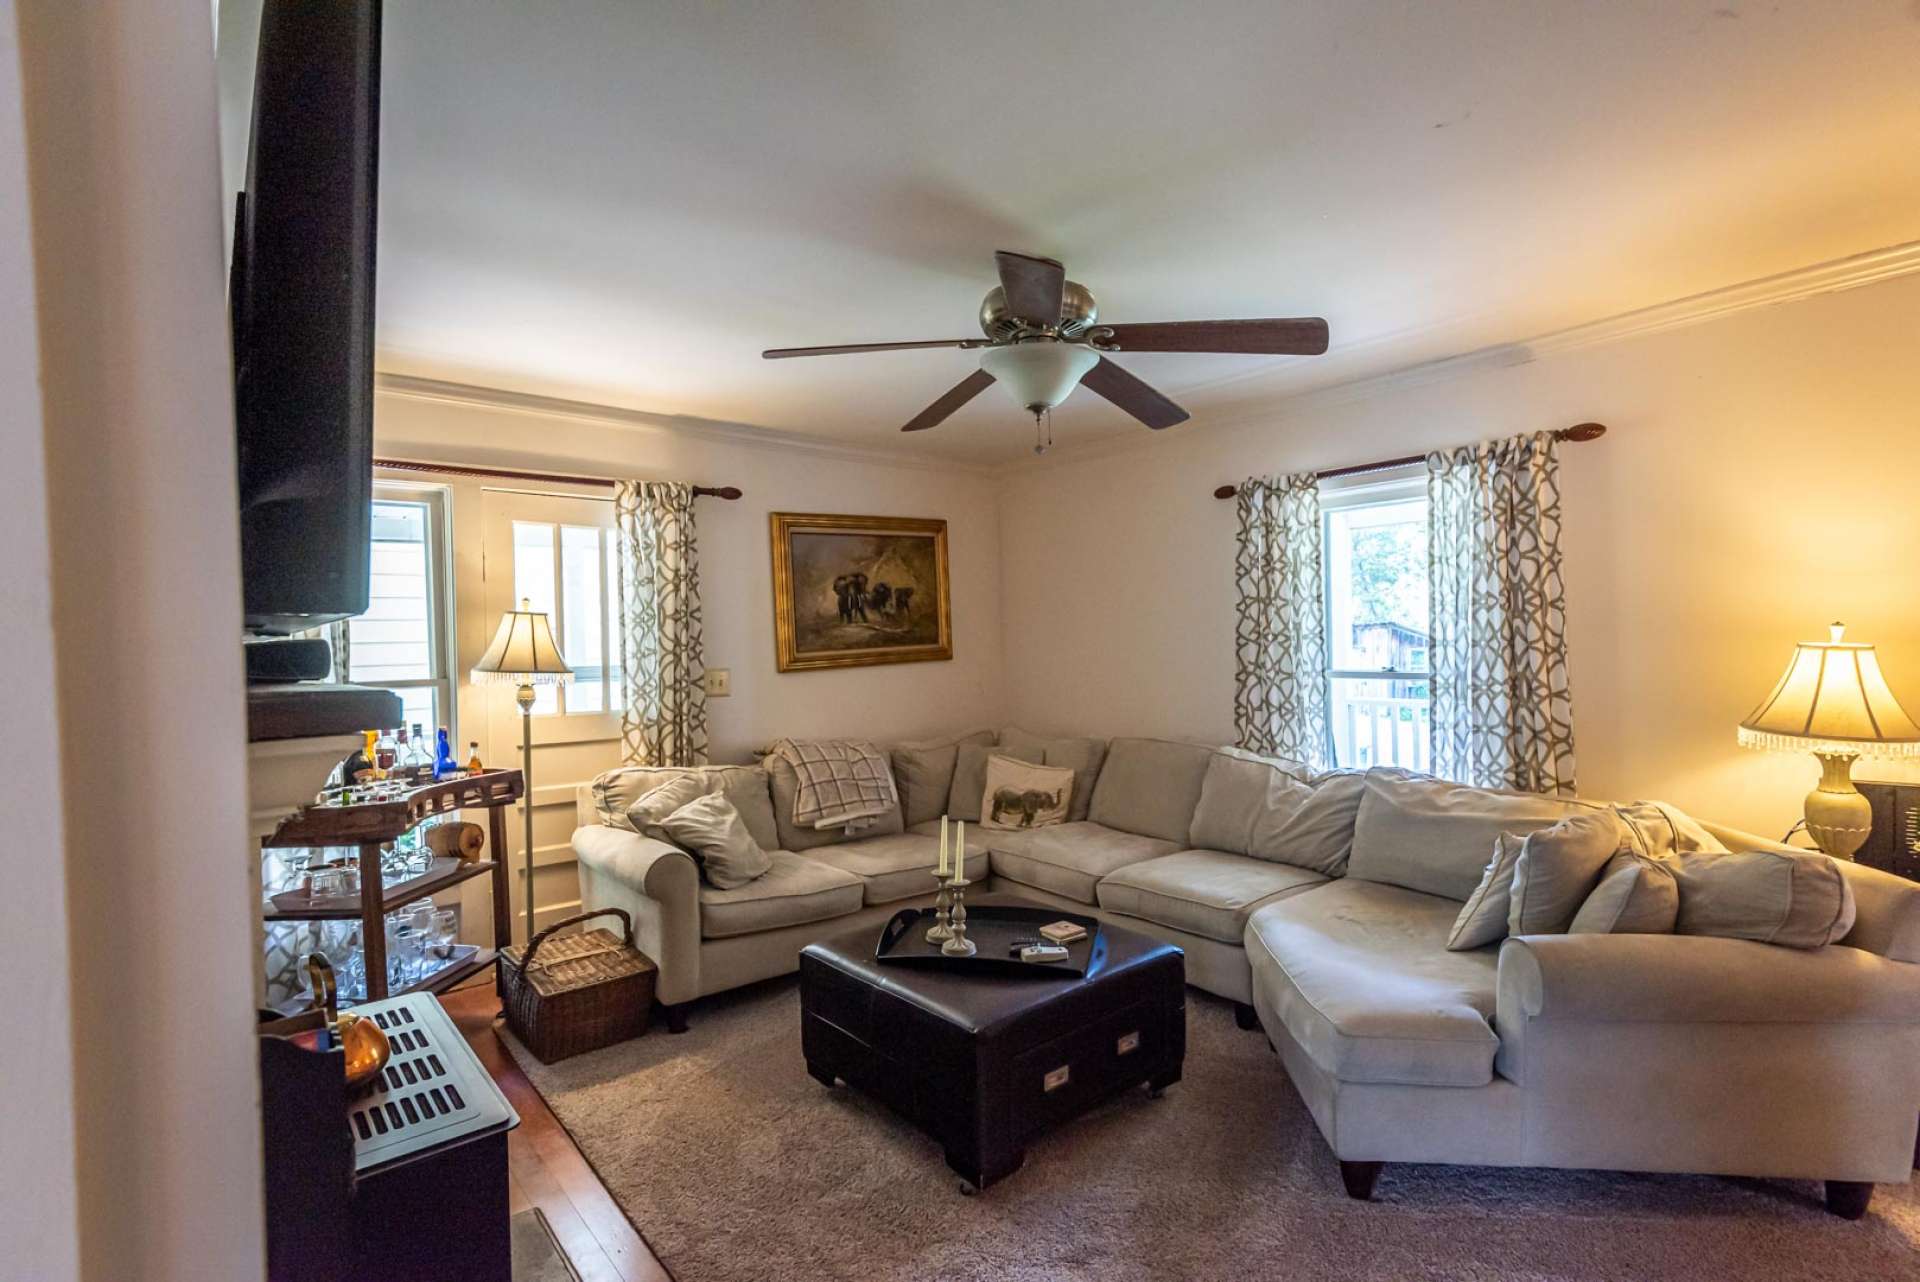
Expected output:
{"points": [[899, 866], [784, 784], [1069, 859], [1799, 898], [1270, 808], [1204, 892], [711, 830], [1429, 835], [1020, 795], [923, 774], [1636, 896], [969, 781], [1082, 756], [1150, 787], [648, 814], [794, 891], [1556, 869], [746, 787], [1369, 990], [1483, 918]]}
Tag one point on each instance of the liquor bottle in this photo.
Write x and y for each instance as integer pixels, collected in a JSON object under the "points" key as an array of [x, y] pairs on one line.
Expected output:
{"points": [[473, 758], [385, 754], [419, 762], [444, 766], [358, 768], [402, 753]]}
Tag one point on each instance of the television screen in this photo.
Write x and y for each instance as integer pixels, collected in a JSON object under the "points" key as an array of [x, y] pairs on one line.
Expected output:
{"points": [[302, 307]]}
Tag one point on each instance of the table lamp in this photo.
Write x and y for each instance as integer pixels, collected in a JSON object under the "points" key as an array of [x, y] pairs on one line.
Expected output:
{"points": [[523, 654], [1834, 703]]}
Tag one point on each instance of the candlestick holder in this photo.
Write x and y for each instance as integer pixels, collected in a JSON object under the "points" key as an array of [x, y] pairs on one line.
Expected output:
{"points": [[958, 945], [940, 932]]}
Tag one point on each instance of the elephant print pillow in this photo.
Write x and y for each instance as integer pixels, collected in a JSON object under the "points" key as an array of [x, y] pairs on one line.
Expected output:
{"points": [[1021, 795]]}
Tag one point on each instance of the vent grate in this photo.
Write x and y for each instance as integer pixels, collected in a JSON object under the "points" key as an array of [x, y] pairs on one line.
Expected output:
{"points": [[434, 1089]]}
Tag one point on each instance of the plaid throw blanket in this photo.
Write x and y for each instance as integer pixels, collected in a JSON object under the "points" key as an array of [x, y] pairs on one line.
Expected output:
{"points": [[842, 785]]}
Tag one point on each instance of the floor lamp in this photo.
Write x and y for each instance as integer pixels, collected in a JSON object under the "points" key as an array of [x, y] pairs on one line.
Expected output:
{"points": [[523, 654]]}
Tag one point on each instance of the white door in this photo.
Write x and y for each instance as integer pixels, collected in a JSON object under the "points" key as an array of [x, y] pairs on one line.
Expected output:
{"points": [[559, 553]]}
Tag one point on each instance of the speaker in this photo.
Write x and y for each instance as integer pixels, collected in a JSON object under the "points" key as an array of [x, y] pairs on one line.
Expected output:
{"points": [[288, 659]]}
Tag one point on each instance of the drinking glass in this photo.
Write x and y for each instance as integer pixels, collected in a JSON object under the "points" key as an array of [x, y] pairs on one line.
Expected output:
{"points": [[442, 930]]}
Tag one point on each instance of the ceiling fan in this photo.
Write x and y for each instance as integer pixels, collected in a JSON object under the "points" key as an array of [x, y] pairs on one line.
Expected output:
{"points": [[1042, 342]]}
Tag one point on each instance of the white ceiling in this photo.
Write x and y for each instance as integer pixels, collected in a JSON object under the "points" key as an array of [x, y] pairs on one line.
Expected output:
{"points": [[625, 202]]}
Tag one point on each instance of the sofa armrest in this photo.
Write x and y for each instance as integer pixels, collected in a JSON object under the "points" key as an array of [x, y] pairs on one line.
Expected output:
{"points": [[1690, 1053], [1700, 979], [658, 885]]}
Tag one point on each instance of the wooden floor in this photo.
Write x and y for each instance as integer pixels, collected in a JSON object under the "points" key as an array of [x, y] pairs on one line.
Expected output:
{"points": [[546, 1170]]}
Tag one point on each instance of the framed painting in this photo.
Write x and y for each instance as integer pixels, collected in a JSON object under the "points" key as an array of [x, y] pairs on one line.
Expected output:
{"points": [[849, 591]]}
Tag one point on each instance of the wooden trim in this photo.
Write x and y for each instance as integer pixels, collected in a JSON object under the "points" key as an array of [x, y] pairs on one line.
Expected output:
{"points": [[1578, 432], [787, 655]]}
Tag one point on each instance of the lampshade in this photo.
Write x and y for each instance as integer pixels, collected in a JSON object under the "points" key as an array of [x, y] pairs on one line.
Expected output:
{"points": [[523, 652], [1039, 374], [1832, 700]]}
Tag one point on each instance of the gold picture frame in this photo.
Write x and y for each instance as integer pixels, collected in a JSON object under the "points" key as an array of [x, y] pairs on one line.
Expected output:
{"points": [[853, 591]]}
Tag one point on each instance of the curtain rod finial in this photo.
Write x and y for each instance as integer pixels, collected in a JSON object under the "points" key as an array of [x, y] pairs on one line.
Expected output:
{"points": [[1226, 492], [1582, 432]]}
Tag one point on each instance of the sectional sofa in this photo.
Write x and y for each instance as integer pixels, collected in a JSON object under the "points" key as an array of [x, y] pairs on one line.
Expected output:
{"points": [[1321, 906]]}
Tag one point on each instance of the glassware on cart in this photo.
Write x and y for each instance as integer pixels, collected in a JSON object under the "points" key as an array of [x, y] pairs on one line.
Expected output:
{"points": [[443, 929]]}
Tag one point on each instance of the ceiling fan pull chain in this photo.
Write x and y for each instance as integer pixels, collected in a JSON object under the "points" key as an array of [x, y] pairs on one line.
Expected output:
{"points": [[1042, 430]]}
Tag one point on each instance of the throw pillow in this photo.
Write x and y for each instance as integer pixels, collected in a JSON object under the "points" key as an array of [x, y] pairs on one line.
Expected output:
{"points": [[1083, 756], [1797, 898], [649, 812], [1020, 795], [1556, 870], [1636, 896], [1658, 829], [746, 787], [969, 782], [923, 773], [711, 830], [1246, 802], [1483, 918]]}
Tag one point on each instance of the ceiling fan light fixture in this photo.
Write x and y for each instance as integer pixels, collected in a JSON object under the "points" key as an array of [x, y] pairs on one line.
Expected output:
{"points": [[1039, 374]]}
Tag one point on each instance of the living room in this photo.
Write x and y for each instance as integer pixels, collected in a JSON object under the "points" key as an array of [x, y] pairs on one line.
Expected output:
{"points": [[1393, 454]]}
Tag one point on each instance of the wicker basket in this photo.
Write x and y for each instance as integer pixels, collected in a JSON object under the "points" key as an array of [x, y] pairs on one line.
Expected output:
{"points": [[577, 993]]}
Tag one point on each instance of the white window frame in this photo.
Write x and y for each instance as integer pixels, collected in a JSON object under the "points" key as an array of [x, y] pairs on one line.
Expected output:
{"points": [[440, 606], [1344, 493]]}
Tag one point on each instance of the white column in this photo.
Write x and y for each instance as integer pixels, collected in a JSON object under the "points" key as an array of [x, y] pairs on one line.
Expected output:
{"points": [[136, 405]]}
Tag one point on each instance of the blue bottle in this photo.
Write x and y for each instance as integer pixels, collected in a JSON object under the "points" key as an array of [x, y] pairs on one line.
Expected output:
{"points": [[444, 766]]}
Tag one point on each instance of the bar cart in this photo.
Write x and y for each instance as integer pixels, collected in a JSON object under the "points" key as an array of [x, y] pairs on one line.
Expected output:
{"points": [[369, 827]]}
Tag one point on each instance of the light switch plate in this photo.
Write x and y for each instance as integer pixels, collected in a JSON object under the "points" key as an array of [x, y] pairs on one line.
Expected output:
{"points": [[719, 682]]}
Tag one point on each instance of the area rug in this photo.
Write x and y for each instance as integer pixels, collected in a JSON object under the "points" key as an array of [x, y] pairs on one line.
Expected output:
{"points": [[734, 1165]]}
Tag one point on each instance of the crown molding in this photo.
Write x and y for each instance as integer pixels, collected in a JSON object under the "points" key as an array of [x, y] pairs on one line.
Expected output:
{"points": [[412, 387], [1830, 277]]}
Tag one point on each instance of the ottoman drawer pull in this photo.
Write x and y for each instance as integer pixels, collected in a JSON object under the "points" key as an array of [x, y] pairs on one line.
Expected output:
{"points": [[1056, 1079], [1128, 1043]]}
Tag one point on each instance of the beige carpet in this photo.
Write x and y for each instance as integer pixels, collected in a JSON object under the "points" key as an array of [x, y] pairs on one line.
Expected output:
{"points": [[735, 1165]]}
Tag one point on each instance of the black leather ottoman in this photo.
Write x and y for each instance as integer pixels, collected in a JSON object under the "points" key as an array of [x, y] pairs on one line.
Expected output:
{"points": [[985, 1062]]}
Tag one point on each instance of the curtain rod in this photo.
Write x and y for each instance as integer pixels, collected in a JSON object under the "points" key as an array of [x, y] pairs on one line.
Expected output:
{"points": [[1578, 432], [728, 492]]}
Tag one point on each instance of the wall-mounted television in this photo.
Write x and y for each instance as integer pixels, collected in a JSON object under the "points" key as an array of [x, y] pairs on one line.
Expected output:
{"points": [[302, 303]]}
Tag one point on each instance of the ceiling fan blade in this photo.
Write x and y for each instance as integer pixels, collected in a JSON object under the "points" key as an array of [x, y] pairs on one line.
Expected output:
{"points": [[962, 392], [1132, 395], [1295, 336], [1033, 286], [781, 353]]}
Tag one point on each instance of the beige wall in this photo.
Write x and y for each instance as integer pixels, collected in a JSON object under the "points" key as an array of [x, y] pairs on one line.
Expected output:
{"points": [[1758, 481], [887, 702], [141, 535]]}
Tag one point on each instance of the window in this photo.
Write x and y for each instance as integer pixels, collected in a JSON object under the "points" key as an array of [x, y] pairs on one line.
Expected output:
{"points": [[572, 573], [1378, 697], [400, 642]]}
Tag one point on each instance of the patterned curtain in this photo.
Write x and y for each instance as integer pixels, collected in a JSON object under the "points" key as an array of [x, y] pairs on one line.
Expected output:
{"points": [[1502, 714], [664, 722], [1280, 635]]}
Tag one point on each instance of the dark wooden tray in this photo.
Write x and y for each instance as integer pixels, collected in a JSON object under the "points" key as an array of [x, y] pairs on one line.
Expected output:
{"points": [[992, 928]]}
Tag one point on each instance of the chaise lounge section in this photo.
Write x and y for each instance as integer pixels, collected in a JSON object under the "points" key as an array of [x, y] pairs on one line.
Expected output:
{"points": [[1322, 906]]}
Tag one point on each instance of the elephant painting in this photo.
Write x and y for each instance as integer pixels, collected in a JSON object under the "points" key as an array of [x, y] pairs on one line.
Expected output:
{"points": [[1026, 804], [850, 591]]}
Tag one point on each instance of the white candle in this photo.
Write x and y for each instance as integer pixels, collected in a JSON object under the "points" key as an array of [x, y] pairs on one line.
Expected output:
{"points": [[940, 868], [960, 850]]}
